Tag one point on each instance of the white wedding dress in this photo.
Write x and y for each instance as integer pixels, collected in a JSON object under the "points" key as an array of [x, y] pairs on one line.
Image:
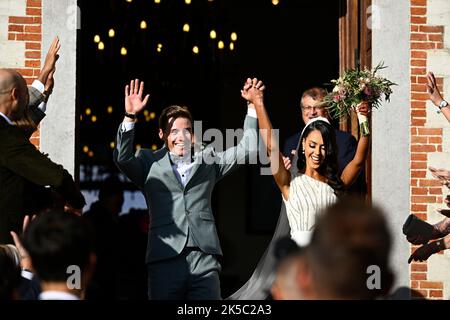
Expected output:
{"points": [[307, 197]]}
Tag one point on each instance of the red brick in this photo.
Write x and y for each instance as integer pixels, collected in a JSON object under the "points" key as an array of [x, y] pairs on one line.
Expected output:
{"points": [[414, 284], [423, 148], [435, 191], [418, 2], [415, 36], [414, 131], [29, 37], [418, 87], [435, 140], [418, 174], [33, 29], [419, 157], [430, 131], [36, 72], [37, 20], [418, 122], [418, 267], [419, 191], [436, 37], [34, 12], [32, 54], [15, 28], [419, 113], [418, 11], [414, 28], [21, 20], [422, 45], [431, 29], [431, 285], [419, 71], [419, 96], [417, 165], [414, 182], [429, 183], [439, 149], [32, 46], [439, 45], [416, 104], [436, 294], [25, 72], [419, 139], [423, 199], [418, 54], [422, 80], [419, 63], [418, 276], [418, 207], [418, 20], [11, 36], [34, 3], [33, 63]]}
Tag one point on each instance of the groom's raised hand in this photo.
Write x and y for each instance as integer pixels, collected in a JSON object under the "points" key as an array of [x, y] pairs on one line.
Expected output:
{"points": [[133, 97]]}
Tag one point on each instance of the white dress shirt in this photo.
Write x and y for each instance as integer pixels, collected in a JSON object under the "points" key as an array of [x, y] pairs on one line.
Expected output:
{"points": [[57, 295], [40, 86]]}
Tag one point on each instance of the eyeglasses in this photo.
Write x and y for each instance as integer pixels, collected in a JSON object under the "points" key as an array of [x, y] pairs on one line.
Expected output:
{"points": [[309, 109]]}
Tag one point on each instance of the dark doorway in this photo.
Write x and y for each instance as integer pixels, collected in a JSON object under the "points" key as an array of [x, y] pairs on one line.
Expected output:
{"points": [[291, 46]]}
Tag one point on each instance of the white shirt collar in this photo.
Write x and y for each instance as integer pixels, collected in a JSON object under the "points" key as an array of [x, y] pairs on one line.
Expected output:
{"points": [[6, 118], [57, 295], [180, 160]]}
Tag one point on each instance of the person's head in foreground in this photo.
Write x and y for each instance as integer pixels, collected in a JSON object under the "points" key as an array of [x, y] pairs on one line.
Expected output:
{"points": [[61, 249], [348, 257]]}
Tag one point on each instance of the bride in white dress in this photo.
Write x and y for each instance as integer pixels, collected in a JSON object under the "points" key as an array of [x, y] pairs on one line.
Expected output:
{"points": [[311, 185]]}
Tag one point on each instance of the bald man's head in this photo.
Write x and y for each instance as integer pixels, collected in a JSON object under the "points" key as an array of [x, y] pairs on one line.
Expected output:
{"points": [[13, 94]]}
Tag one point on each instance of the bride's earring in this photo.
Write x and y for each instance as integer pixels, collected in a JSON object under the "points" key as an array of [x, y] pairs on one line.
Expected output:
{"points": [[303, 151]]}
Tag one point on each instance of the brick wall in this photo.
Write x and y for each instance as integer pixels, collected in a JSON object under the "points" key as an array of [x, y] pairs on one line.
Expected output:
{"points": [[429, 136], [21, 39]]}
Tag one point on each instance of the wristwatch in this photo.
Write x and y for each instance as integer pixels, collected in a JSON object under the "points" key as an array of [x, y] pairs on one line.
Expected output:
{"points": [[131, 115], [443, 104]]}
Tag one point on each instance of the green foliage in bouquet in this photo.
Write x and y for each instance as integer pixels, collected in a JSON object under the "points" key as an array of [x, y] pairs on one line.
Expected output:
{"points": [[356, 86]]}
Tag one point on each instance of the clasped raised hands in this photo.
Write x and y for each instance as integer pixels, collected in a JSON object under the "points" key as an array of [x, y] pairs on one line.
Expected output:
{"points": [[253, 91]]}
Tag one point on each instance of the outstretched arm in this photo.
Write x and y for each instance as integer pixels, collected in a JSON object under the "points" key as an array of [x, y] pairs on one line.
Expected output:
{"points": [[253, 92], [435, 95], [50, 60], [352, 170], [133, 167]]}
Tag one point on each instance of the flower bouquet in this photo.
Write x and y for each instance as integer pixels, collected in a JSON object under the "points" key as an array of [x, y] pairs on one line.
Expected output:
{"points": [[354, 87]]}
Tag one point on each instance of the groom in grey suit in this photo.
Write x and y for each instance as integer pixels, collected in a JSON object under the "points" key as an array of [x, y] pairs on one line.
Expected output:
{"points": [[183, 244]]}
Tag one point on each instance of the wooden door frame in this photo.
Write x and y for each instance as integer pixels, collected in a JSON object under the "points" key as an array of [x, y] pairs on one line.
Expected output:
{"points": [[355, 50]]}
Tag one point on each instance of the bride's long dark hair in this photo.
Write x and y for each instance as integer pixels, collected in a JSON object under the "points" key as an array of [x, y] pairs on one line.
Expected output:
{"points": [[329, 167]]}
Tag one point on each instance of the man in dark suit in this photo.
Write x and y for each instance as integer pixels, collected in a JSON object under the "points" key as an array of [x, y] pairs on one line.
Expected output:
{"points": [[311, 108], [21, 163]]}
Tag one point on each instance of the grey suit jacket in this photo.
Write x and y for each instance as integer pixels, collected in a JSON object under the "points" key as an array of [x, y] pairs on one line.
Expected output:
{"points": [[176, 210]]}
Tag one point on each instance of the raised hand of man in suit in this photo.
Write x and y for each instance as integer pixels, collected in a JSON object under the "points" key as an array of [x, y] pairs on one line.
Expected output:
{"points": [[133, 97]]}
